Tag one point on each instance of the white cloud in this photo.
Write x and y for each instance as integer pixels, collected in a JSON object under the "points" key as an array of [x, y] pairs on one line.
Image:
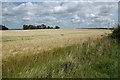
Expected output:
{"points": [[26, 19], [20, 7], [60, 13], [59, 9], [57, 0], [76, 18], [49, 18], [66, 7], [29, 4], [29, 13], [90, 15]]}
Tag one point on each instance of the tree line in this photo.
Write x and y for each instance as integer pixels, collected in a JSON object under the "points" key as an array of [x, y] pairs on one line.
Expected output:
{"points": [[42, 26]]}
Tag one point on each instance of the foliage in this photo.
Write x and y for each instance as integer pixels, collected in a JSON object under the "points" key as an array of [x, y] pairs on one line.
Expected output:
{"points": [[3, 27], [116, 33], [57, 27], [42, 26]]}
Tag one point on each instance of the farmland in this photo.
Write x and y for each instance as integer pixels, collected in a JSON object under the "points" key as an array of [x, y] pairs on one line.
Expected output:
{"points": [[59, 53], [31, 41]]}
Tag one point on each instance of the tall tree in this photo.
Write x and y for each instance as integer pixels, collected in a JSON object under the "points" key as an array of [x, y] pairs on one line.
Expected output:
{"points": [[57, 27]]}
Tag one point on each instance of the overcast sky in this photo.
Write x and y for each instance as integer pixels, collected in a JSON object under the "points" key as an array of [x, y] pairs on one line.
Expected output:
{"points": [[67, 14]]}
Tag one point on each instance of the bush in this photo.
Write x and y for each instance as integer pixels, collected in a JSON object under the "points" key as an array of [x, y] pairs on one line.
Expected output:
{"points": [[116, 33]]}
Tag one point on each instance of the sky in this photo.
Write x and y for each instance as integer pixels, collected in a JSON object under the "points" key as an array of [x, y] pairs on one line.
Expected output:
{"points": [[64, 13]]}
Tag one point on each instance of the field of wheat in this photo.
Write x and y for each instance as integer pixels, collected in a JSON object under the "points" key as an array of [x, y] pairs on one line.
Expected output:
{"points": [[35, 41], [64, 53]]}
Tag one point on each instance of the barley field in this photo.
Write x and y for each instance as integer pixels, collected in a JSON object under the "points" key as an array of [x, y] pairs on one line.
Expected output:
{"points": [[34, 41], [64, 53]]}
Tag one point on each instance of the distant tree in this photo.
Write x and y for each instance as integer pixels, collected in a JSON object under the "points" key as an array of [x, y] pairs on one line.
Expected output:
{"points": [[43, 26], [3, 27], [48, 27], [38, 26], [57, 27], [25, 27], [51, 27], [34, 27], [30, 26]]}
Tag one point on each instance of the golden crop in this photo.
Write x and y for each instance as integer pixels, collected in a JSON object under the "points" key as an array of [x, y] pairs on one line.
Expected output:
{"points": [[35, 41]]}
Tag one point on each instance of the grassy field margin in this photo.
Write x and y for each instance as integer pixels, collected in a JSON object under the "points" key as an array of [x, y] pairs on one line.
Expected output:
{"points": [[92, 59]]}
